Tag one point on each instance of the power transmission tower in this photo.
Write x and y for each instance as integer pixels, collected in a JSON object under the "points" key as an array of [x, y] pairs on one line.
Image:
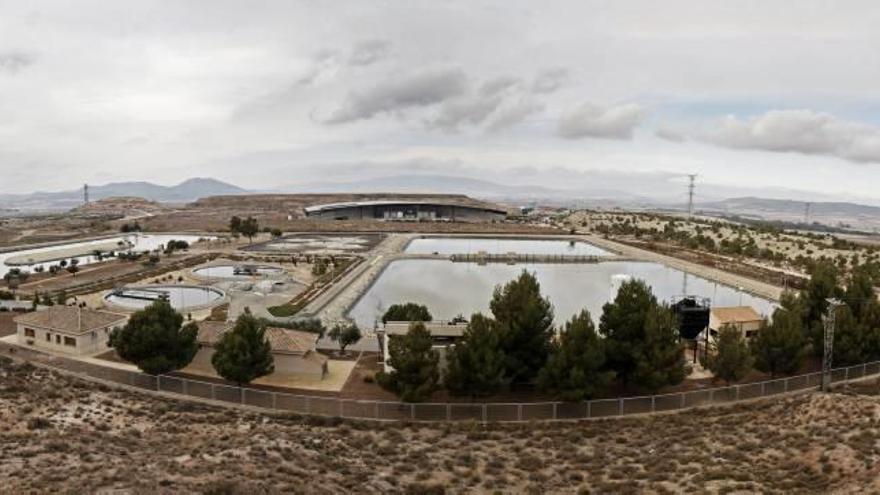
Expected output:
{"points": [[691, 178], [829, 320], [85, 193]]}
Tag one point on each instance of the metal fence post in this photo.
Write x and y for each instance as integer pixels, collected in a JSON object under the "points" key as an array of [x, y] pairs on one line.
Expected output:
{"points": [[554, 410], [653, 403], [846, 374], [376, 409], [737, 391], [485, 415], [763, 387], [242, 390], [620, 406], [158, 381], [448, 412], [589, 409], [786, 385], [519, 412]]}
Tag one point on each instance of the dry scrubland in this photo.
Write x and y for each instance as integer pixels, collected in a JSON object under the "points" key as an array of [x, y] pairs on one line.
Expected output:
{"points": [[60, 434]]}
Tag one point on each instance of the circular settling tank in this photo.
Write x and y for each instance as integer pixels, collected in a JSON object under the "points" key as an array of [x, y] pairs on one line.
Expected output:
{"points": [[181, 297], [243, 271]]}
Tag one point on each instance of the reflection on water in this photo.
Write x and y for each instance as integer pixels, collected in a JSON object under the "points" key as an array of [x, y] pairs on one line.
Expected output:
{"points": [[462, 245], [449, 288]]}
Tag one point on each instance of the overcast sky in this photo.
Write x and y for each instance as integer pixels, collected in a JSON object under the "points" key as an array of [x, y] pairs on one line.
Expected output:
{"points": [[264, 94]]}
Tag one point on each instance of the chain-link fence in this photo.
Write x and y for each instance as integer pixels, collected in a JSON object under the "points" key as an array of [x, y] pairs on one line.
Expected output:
{"points": [[484, 412]]}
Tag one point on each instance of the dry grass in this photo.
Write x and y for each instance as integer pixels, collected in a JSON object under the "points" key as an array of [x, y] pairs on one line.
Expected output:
{"points": [[59, 434]]}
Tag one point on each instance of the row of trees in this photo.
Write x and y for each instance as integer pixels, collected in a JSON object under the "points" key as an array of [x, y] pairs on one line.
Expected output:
{"points": [[249, 227], [636, 343], [157, 340]]}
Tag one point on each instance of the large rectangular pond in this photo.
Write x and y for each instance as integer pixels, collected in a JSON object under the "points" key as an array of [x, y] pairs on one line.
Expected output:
{"points": [[471, 245], [124, 242], [449, 288]]}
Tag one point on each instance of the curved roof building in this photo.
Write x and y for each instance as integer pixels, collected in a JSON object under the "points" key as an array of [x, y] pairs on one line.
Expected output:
{"points": [[403, 210]]}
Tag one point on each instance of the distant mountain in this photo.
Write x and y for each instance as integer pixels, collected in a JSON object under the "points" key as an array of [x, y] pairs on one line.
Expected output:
{"points": [[188, 190], [832, 213]]}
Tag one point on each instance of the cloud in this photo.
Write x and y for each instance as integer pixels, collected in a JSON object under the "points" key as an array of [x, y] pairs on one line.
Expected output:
{"points": [[800, 131], [499, 84], [590, 120], [417, 90], [670, 135], [550, 80], [13, 62], [464, 110], [324, 63], [513, 113], [369, 52]]}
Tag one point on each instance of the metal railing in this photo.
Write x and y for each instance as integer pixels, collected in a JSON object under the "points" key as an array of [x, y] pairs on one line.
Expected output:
{"points": [[483, 412]]}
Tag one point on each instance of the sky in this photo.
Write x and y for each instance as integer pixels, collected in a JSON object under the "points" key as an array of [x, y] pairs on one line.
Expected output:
{"points": [[781, 96]]}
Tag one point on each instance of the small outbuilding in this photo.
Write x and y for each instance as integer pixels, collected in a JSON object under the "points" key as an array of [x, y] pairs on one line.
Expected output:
{"points": [[744, 318], [68, 329], [294, 351], [443, 334]]}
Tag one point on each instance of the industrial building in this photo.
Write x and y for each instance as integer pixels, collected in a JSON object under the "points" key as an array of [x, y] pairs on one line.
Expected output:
{"points": [[401, 210]]}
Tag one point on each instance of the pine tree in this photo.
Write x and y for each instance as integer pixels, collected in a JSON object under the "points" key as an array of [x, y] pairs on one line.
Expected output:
{"points": [[660, 359], [415, 362], [476, 364], [525, 320], [779, 347], [156, 340], [625, 324], [243, 353], [850, 339], [731, 358], [575, 369], [407, 312]]}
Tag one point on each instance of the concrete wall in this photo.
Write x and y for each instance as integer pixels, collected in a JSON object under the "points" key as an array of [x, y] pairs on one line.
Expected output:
{"points": [[93, 342]]}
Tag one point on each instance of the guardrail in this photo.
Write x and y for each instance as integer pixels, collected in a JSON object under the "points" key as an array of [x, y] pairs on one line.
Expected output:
{"points": [[483, 412]]}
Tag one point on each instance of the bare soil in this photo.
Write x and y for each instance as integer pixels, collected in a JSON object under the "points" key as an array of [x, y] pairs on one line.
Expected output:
{"points": [[59, 434]]}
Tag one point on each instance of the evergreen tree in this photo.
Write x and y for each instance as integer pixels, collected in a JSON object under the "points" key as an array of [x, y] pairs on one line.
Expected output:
{"points": [[660, 359], [243, 353], [476, 364], [634, 323], [235, 224], [415, 374], [155, 339], [823, 285], [249, 228], [731, 359], [345, 335], [575, 369], [407, 312], [525, 322], [779, 347]]}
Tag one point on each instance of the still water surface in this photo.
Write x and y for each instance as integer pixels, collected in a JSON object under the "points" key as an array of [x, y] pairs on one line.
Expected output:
{"points": [[449, 289], [462, 245]]}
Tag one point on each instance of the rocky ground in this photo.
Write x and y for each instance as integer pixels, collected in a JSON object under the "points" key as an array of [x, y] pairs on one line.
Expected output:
{"points": [[59, 434]]}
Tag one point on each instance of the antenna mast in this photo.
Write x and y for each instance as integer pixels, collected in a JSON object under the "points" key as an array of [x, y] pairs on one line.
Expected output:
{"points": [[691, 178]]}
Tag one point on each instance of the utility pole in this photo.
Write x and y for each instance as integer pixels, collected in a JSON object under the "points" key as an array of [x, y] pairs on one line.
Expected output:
{"points": [[85, 194], [807, 212], [691, 178], [829, 320]]}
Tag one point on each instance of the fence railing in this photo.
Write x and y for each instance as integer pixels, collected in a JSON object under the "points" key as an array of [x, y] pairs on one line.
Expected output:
{"points": [[484, 412]]}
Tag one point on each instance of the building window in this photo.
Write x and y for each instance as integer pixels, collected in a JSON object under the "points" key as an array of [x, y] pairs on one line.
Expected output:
{"points": [[29, 332], [57, 339], [48, 337], [70, 341]]}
